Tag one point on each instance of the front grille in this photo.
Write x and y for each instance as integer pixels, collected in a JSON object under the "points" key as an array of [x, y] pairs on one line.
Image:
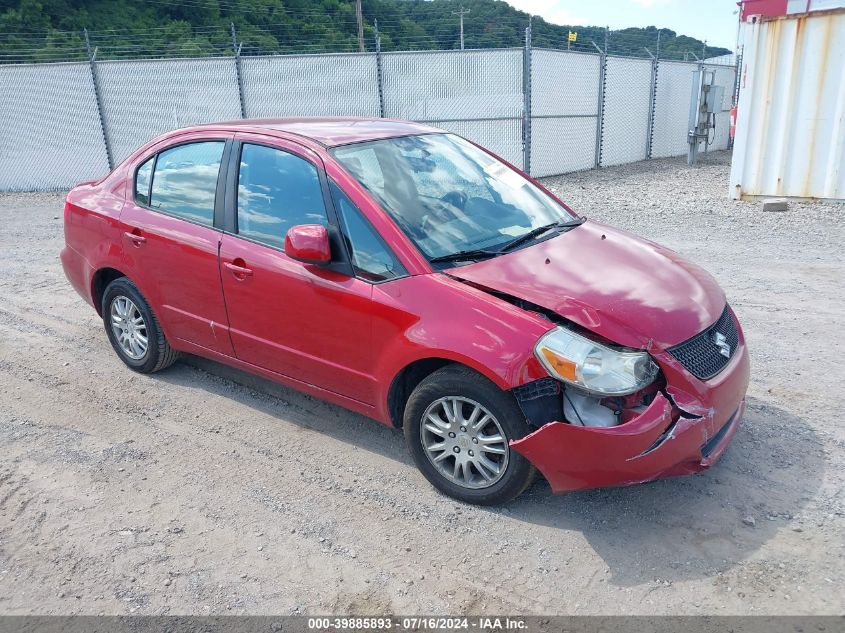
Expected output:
{"points": [[702, 354]]}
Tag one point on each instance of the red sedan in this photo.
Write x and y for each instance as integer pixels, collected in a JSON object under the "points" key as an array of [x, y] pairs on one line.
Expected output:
{"points": [[416, 278]]}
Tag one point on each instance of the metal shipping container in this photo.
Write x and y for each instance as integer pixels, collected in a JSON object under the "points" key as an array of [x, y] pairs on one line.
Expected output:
{"points": [[790, 136]]}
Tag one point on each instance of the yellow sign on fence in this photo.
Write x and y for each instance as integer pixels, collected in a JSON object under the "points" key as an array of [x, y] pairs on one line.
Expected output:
{"points": [[573, 36]]}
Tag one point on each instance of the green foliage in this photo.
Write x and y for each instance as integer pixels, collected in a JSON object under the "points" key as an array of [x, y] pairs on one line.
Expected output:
{"points": [[52, 30]]}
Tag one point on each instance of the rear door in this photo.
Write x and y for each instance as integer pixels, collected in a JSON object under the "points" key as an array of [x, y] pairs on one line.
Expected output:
{"points": [[307, 322], [170, 242]]}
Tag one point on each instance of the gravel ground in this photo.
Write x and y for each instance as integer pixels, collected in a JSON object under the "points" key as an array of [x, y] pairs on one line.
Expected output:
{"points": [[204, 490]]}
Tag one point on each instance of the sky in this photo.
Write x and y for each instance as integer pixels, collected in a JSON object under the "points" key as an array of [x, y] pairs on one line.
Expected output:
{"points": [[711, 20]]}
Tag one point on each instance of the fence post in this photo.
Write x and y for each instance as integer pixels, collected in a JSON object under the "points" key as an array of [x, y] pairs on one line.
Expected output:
{"points": [[526, 95], [237, 48], [92, 62], [379, 71], [651, 105], [600, 105]]}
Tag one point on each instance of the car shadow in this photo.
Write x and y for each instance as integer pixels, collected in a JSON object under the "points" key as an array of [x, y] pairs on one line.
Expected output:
{"points": [[696, 526], [294, 406], [669, 530]]}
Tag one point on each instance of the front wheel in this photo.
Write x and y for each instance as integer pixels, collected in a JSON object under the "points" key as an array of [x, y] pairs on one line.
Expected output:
{"points": [[458, 426]]}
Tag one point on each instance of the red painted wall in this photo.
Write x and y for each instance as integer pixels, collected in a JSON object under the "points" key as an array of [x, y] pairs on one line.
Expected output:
{"points": [[763, 7]]}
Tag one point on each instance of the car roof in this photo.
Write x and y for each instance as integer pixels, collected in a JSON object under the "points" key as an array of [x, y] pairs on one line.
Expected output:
{"points": [[329, 131]]}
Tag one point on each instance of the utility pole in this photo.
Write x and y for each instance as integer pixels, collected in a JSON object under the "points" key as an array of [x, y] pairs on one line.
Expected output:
{"points": [[461, 13], [360, 17], [704, 50]]}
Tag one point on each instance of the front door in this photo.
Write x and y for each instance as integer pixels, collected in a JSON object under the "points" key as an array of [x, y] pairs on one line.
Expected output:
{"points": [[306, 322]]}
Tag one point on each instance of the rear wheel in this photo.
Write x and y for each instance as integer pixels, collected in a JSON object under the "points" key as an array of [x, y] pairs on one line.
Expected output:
{"points": [[133, 329], [458, 426]]}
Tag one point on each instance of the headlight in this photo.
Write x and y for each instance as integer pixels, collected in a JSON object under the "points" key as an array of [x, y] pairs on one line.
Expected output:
{"points": [[592, 366]]}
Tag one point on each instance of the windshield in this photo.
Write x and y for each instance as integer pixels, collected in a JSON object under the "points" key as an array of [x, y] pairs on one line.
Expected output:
{"points": [[449, 196]]}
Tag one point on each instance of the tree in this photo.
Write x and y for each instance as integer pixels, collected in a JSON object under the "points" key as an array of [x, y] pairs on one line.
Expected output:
{"points": [[50, 30]]}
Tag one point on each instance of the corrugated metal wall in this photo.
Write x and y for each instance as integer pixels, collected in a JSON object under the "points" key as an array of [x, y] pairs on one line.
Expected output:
{"points": [[790, 138]]}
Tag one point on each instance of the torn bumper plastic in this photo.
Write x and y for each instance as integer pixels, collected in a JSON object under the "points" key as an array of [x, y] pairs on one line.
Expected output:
{"points": [[678, 437]]}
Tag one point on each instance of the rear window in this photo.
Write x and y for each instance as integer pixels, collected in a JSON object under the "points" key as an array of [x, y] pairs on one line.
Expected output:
{"points": [[185, 181]]}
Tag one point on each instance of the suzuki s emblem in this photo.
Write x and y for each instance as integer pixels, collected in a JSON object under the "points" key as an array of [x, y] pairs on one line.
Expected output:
{"points": [[720, 341]]}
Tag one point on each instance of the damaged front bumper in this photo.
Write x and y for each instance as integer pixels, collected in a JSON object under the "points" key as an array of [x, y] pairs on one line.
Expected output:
{"points": [[679, 433]]}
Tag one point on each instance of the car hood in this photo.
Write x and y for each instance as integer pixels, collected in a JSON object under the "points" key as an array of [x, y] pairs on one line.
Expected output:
{"points": [[625, 288]]}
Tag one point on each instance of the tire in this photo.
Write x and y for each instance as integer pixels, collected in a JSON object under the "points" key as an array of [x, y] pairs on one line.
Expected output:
{"points": [[476, 481], [123, 302]]}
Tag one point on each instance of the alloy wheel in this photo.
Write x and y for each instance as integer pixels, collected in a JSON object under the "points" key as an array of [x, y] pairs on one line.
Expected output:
{"points": [[129, 327], [464, 442]]}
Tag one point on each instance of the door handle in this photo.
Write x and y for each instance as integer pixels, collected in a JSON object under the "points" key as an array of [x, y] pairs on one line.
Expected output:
{"points": [[240, 272], [136, 238]]}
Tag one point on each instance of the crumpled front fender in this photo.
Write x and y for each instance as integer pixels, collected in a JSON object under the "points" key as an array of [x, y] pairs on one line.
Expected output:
{"points": [[646, 448], [683, 431]]}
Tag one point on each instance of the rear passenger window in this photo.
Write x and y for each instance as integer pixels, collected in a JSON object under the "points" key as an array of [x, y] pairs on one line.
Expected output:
{"points": [[143, 178], [276, 190], [185, 181]]}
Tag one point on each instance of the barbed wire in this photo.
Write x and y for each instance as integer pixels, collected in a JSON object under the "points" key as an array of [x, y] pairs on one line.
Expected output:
{"points": [[180, 38]]}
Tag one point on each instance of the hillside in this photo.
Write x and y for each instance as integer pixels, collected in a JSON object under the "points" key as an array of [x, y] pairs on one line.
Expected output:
{"points": [[51, 30]]}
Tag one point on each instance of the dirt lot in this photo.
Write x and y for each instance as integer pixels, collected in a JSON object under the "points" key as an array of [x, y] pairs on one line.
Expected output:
{"points": [[204, 490]]}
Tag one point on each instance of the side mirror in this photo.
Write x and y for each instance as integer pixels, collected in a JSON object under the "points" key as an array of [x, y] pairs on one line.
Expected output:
{"points": [[308, 243]]}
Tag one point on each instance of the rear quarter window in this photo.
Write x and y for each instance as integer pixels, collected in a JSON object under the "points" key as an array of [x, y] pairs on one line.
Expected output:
{"points": [[143, 180]]}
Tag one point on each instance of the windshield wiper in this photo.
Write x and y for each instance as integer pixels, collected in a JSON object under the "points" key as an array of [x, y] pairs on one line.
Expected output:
{"points": [[480, 253], [539, 231], [462, 256]]}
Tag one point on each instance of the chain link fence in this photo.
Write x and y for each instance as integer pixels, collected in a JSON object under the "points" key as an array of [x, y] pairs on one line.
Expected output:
{"points": [[627, 102], [564, 111], [50, 131], [547, 111], [312, 85], [671, 109], [141, 99], [477, 94]]}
